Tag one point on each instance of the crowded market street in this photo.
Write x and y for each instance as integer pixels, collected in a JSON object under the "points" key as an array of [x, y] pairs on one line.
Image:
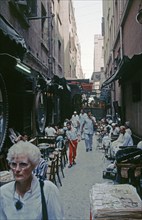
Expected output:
{"points": [[80, 178]]}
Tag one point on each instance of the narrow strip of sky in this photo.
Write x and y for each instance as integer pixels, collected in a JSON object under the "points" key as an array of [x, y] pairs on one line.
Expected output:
{"points": [[88, 15]]}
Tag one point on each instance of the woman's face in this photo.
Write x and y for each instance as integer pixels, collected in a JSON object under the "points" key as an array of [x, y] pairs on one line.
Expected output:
{"points": [[21, 168]]}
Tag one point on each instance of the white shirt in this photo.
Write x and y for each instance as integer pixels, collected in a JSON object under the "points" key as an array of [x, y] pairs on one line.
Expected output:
{"points": [[72, 134], [75, 121], [32, 208], [89, 125], [49, 131], [82, 117], [106, 141]]}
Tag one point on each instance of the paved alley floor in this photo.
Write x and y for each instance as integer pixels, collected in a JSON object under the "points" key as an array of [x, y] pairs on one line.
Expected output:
{"points": [[79, 179]]}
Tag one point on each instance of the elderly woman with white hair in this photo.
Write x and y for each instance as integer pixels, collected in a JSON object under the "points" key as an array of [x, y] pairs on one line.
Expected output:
{"points": [[26, 197]]}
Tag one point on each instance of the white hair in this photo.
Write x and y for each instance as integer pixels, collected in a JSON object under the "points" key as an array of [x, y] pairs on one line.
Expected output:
{"points": [[25, 149]]}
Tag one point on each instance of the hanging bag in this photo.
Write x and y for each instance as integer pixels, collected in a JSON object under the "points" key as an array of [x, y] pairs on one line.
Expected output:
{"points": [[44, 207]]}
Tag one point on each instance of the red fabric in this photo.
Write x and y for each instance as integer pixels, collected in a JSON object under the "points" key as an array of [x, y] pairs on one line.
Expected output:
{"points": [[72, 151]]}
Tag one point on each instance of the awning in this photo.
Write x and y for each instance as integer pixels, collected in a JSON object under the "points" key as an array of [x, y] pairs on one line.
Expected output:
{"points": [[135, 64], [121, 69], [127, 67], [8, 31]]}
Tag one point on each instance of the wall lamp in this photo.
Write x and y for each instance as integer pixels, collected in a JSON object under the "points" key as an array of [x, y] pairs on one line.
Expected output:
{"points": [[139, 16], [22, 67], [43, 17]]}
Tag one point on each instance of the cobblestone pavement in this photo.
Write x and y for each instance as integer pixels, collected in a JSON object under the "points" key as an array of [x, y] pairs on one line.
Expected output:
{"points": [[79, 179]]}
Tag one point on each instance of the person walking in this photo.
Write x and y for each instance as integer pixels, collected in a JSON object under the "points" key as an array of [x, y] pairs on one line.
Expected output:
{"points": [[88, 128], [27, 197], [73, 137], [82, 117], [75, 121]]}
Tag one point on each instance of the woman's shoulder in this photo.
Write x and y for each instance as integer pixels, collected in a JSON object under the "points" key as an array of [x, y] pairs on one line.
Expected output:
{"points": [[7, 188], [48, 183], [49, 186]]}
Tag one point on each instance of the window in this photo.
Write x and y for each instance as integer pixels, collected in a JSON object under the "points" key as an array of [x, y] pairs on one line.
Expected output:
{"points": [[32, 8], [43, 14], [136, 92], [24, 7]]}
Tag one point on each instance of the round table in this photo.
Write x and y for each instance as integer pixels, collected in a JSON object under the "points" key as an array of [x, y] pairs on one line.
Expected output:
{"points": [[44, 149]]}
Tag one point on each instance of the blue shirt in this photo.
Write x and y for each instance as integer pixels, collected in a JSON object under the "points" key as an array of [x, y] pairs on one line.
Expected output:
{"points": [[32, 208]]}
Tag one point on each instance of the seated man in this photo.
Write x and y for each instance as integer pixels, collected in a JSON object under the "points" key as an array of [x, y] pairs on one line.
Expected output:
{"points": [[106, 141], [124, 139], [41, 169], [50, 131], [51, 134], [115, 131]]}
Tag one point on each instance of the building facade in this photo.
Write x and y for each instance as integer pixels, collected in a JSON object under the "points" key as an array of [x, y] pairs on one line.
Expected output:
{"points": [[33, 87], [123, 60]]}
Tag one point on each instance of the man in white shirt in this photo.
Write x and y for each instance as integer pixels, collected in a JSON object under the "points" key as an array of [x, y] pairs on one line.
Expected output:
{"points": [[75, 120], [50, 131], [82, 117], [124, 139], [88, 128]]}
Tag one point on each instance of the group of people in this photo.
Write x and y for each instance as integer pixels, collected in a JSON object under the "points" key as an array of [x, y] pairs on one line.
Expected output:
{"points": [[115, 136], [80, 127]]}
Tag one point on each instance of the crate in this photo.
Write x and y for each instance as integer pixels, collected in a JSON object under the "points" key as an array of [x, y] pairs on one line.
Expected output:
{"points": [[124, 169]]}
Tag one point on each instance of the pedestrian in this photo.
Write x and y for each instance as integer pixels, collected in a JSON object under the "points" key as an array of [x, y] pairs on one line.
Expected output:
{"points": [[73, 137], [82, 117], [75, 120], [26, 197], [88, 127]]}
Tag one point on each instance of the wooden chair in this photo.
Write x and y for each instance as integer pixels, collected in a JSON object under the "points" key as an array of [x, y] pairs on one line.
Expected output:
{"points": [[55, 159], [61, 157], [64, 154], [50, 175]]}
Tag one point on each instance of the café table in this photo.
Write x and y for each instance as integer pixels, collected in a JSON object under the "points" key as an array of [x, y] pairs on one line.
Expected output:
{"points": [[45, 149]]}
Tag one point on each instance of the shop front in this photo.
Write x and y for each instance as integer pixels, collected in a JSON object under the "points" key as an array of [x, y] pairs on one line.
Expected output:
{"points": [[23, 90]]}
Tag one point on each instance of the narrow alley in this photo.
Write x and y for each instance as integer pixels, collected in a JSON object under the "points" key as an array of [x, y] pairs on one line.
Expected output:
{"points": [[79, 179]]}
